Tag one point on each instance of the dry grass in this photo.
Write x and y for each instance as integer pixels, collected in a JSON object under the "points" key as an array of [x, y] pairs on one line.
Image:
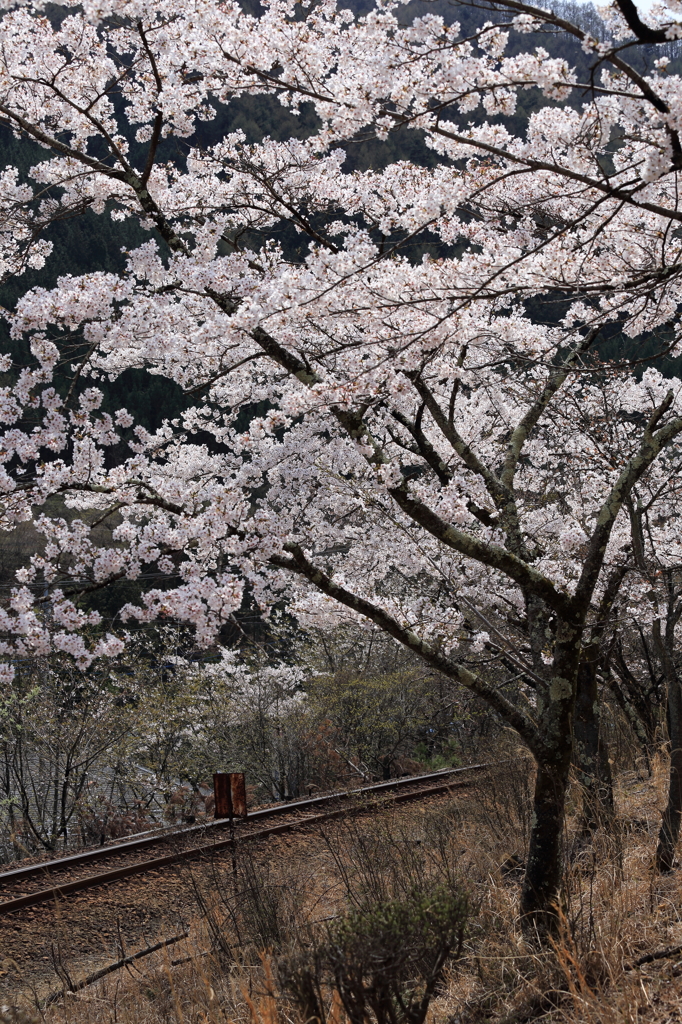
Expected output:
{"points": [[615, 911]]}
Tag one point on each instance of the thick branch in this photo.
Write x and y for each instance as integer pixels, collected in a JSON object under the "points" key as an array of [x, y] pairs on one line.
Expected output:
{"points": [[500, 493], [524, 428], [424, 447], [644, 33], [651, 446], [472, 547], [551, 18], [459, 445], [533, 164], [128, 177], [110, 968], [152, 498], [299, 564], [493, 555]]}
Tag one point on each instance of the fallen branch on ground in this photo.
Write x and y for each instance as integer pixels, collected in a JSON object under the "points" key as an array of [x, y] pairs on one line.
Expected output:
{"points": [[660, 954], [117, 966]]}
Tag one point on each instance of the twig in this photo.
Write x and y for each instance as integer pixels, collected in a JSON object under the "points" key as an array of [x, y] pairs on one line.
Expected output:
{"points": [[192, 956], [124, 962], [660, 954]]}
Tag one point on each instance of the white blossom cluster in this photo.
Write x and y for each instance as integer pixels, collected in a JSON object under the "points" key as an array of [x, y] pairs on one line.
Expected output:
{"points": [[428, 447]]}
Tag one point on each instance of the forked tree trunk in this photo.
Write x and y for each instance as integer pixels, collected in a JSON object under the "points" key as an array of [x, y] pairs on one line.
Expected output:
{"points": [[590, 754]]}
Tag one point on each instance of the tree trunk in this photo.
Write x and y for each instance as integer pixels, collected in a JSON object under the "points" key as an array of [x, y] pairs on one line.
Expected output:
{"points": [[544, 869], [670, 827], [555, 712], [591, 754], [665, 648]]}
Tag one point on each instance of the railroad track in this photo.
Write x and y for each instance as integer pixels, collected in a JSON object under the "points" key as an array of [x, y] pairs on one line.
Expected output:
{"points": [[70, 874]]}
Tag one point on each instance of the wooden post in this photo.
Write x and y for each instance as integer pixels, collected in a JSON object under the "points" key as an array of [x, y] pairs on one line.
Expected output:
{"points": [[229, 791], [238, 794], [222, 795]]}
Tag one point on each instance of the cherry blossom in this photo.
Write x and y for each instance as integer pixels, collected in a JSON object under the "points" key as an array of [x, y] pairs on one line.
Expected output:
{"points": [[433, 461]]}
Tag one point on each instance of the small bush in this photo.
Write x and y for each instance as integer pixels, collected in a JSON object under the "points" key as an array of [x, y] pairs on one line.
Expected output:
{"points": [[385, 960], [17, 1015]]}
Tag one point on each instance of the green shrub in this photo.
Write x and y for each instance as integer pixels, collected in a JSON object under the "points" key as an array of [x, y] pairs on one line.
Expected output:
{"points": [[385, 960]]}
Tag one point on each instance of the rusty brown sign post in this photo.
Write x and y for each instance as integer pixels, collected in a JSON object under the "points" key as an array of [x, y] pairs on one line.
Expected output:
{"points": [[238, 794], [229, 791]]}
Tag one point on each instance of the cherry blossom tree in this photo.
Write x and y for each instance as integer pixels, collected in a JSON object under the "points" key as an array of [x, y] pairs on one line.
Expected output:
{"points": [[655, 655], [432, 458]]}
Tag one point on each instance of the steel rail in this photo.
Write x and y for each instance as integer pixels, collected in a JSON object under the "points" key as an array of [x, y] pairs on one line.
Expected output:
{"points": [[114, 849], [141, 867]]}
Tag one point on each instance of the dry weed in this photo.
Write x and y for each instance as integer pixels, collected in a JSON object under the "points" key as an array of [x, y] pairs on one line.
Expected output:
{"points": [[614, 910]]}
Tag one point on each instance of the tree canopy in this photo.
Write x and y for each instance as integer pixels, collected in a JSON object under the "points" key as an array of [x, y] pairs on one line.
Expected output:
{"points": [[430, 457]]}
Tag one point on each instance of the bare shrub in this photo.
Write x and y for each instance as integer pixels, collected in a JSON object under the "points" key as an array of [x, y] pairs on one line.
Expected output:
{"points": [[100, 819], [502, 801], [385, 960], [17, 1015], [278, 914]]}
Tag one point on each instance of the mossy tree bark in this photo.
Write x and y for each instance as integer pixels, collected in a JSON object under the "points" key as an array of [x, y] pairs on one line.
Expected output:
{"points": [[541, 891]]}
